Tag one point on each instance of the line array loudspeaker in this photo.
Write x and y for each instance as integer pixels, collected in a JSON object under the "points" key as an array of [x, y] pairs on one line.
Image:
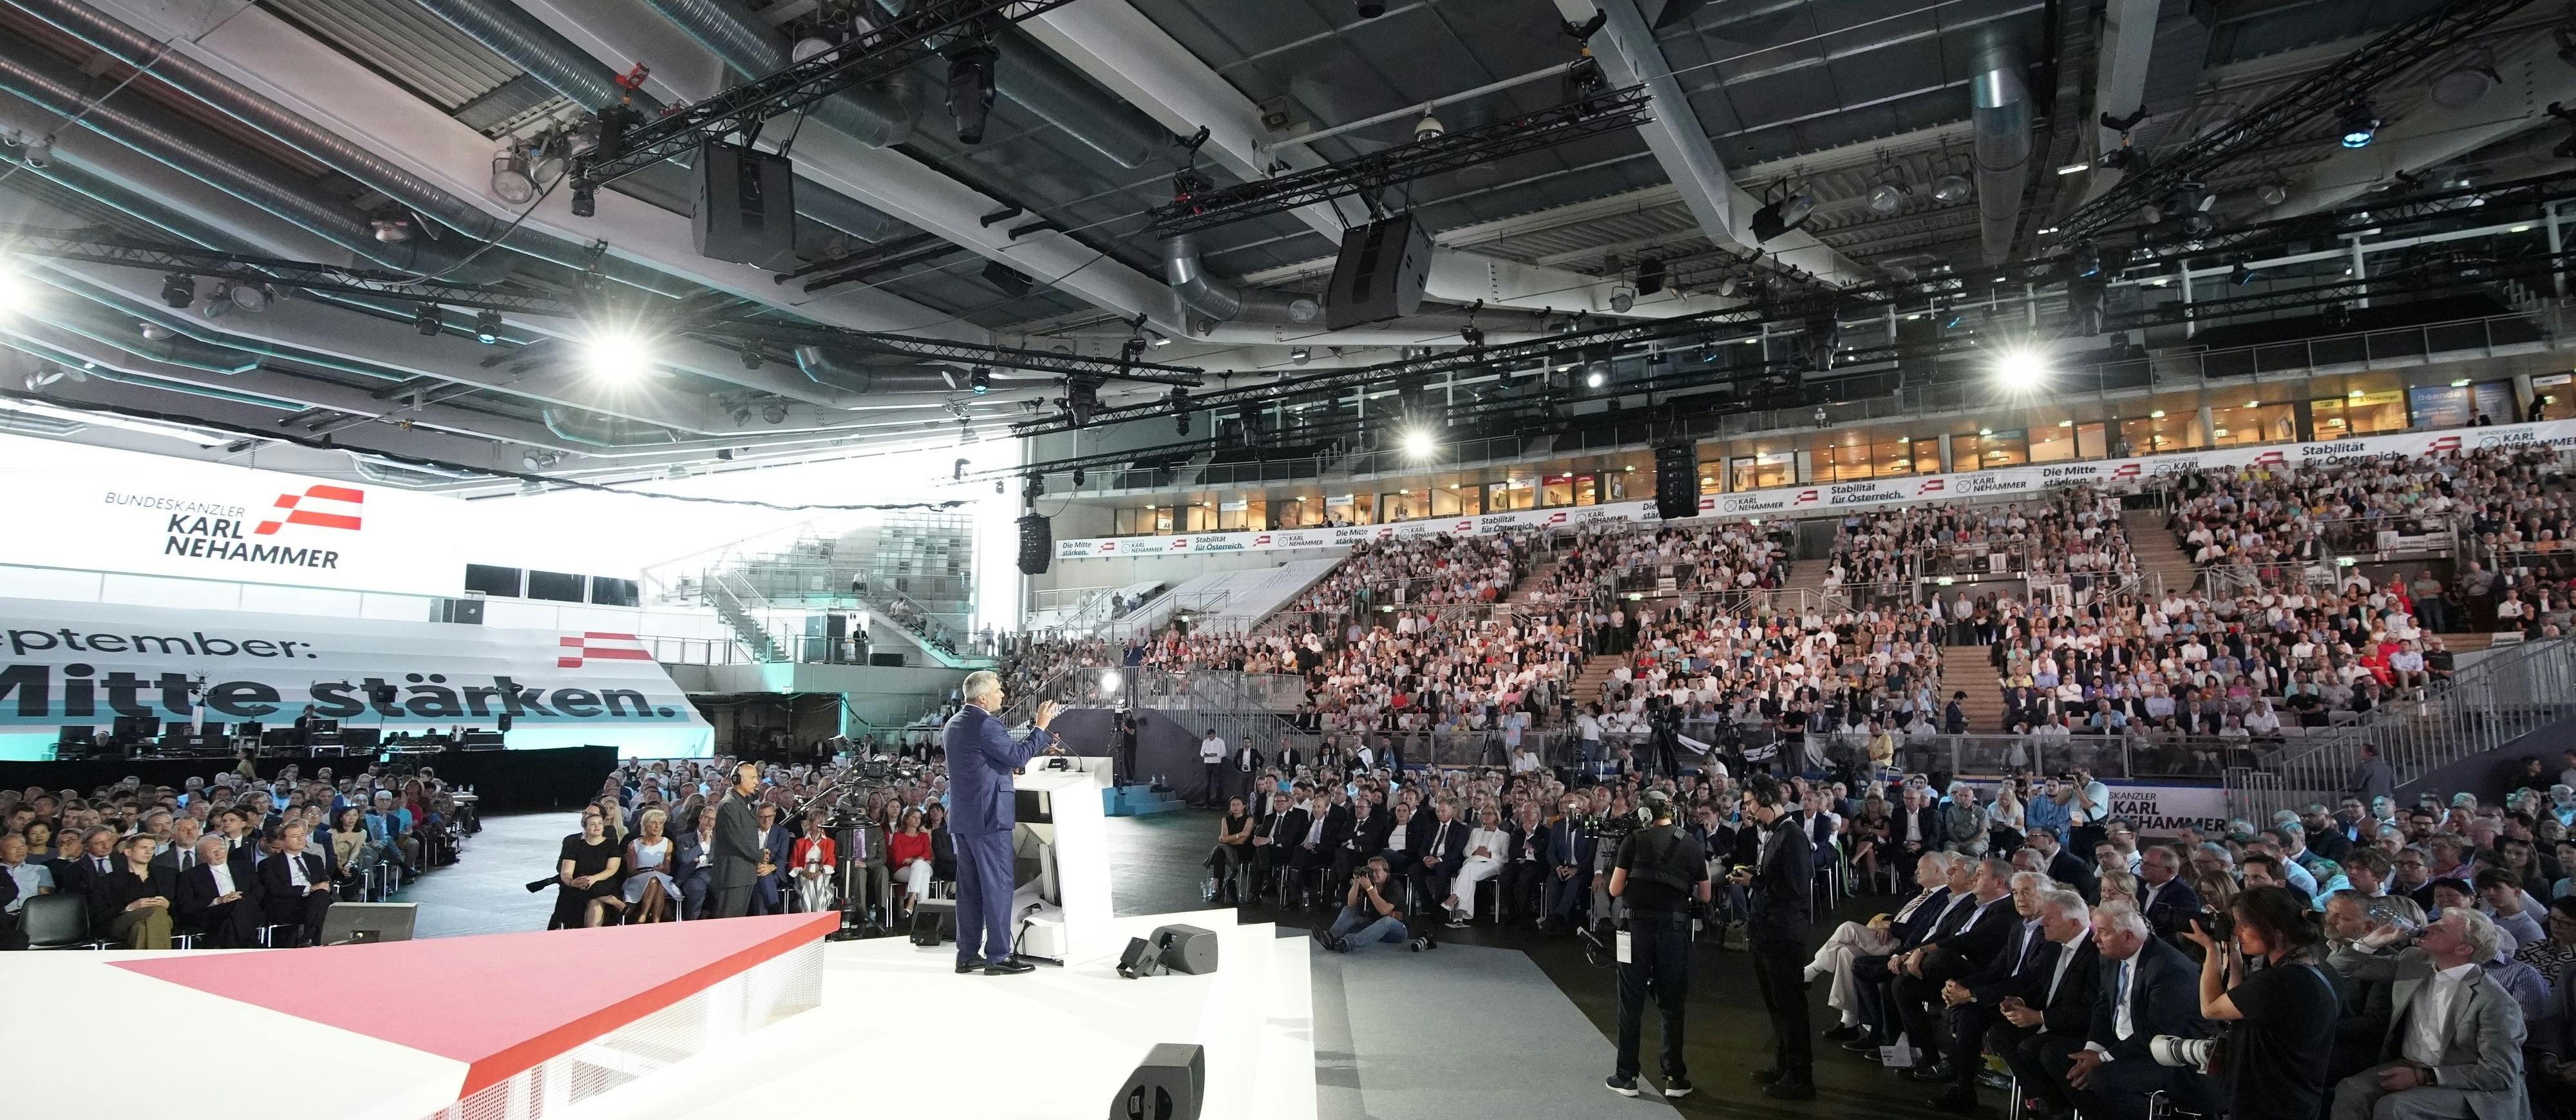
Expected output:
{"points": [[1037, 544], [1676, 481]]}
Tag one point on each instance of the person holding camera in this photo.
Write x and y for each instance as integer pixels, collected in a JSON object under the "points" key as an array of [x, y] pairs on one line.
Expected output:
{"points": [[2453, 1049], [1367, 916], [1661, 871], [2283, 1013]]}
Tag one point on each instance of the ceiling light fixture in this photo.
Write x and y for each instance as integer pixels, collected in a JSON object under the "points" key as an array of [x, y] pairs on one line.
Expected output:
{"points": [[970, 88], [511, 182], [1783, 214], [1951, 189], [1885, 198], [429, 321], [487, 327], [2359, 122], [981, 381], [1419, 444], [179, 291], [618, 355]]}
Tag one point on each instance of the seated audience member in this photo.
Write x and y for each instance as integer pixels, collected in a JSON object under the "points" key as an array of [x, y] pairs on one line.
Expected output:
{"points": [[1524, 867], [2164, 899], [2041, 1035], [1874, 978], [2148, 989], [811, 863], [651, 894], [690, 866], [295, 886], [1484, 860], [136, 897], [1853, 940], [27, 879], [1276, 839], [218, 896], [585, 873], [1233, 851], [1569, 855], [1921, 973], [1440, 850], [1972, 1003], [352, 851], [908, 857], [769, 890], [2453, 1049]]}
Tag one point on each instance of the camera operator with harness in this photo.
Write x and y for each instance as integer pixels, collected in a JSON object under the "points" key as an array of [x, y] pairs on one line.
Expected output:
{"points": [[1662, 876]]}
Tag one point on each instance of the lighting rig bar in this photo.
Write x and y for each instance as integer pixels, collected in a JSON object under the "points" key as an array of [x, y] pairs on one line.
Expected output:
{"points": [[1403, 163], [2329, 89], [662, 313], [925, 29]]}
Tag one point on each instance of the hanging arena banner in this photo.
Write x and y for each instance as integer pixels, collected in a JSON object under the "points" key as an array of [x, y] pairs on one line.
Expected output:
{"points": [[85, 664], [1794, 501]]}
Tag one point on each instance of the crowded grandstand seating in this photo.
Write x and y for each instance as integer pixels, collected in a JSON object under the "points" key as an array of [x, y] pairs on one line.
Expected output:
{"points": [[233, 861]]}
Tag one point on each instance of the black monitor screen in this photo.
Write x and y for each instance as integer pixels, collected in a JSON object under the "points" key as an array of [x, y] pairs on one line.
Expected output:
{"points": [[490, 580], [557, 586], [611, 592]]}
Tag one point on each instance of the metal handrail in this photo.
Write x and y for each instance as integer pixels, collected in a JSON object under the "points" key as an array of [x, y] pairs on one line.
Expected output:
{"points": [[2493, 701]]}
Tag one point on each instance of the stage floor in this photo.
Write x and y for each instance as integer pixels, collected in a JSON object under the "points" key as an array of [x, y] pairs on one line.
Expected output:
{"points": [[899, 1033]]}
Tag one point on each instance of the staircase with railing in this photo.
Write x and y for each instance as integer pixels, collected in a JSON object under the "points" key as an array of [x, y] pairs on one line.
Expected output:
{"points": [[2501, 697], [739, 605], [947, 644]]}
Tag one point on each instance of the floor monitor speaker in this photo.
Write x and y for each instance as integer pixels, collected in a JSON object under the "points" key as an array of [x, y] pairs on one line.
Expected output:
{"points": [[1187, 950], [1168, 1085]]}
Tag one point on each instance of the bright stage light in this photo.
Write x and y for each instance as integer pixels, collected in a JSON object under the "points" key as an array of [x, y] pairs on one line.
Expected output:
{"points": [[1109, 681], [1419, 444], [618, 354], [2021, 369]]}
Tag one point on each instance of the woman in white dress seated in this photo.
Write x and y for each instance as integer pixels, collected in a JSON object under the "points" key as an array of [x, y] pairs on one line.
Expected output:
{"points": [[1485, 848], [651, 894]]}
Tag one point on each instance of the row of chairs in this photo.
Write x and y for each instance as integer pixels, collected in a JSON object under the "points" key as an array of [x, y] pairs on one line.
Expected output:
{"points": [[61, 921]]}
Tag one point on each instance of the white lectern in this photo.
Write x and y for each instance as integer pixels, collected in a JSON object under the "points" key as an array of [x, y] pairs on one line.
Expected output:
{"points": [[1063, 912]]}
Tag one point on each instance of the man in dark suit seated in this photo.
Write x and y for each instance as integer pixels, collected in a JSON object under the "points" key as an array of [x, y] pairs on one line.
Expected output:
{"points": [[2039, 1033], [1524, 867], [1972, 1003], [1874, 977], [1275, 840], [2166, 902], [2148, 989], [2063, 866], [1365, 837], [218, 895], [295, 887], [1568, 877], [86, 874], [692, 865], [1314, 849], [769, 892], [1921, 973], [1439, 849]]}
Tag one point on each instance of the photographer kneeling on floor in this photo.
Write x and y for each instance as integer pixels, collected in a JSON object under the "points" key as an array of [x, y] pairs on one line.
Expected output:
{"points": [[2266, 980], [1367, 916]]}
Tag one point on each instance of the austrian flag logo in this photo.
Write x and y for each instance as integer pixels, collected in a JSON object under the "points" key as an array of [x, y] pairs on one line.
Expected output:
{"points": [[320, 506], [1930, 486], [1804, 497], [2445, 443], [604, 647], [2127, 470]]}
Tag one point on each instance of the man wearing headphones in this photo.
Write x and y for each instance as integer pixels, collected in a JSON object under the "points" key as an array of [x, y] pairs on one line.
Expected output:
{"points": [[1660, 871]]}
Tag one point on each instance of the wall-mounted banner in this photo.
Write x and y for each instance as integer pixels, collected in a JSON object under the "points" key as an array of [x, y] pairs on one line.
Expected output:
{"points": [[88, 663], [1794, 501], [231, 523]]}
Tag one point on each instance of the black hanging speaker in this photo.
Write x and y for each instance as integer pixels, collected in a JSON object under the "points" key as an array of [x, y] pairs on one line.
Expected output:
{"points": [[1037, 545], [746, 206], [1676, 481], [1170, 1084], [1379, 274]]}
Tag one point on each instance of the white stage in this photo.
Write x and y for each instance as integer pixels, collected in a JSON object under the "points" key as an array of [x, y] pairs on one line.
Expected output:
{"points": [[899, 1033]]}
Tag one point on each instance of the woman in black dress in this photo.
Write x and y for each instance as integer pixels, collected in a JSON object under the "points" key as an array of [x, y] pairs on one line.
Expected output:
{"points": [[943, 847], [136, 896], [586, 873], [1233, 849]]}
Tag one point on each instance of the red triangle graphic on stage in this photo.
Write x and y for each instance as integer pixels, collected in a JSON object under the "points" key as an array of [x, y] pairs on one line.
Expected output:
{"points": [[502, 1002]]}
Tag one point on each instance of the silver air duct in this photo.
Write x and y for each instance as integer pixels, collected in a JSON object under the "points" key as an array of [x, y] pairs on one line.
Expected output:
{"points": [[1225, 302], [605, 431], [893, 374], [136, 123], [2000, 115], [751, 48]]}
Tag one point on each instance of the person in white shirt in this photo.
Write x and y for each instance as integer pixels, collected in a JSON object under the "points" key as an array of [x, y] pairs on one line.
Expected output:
{"points": [[2454, 1049], [1212, 760], [1485, 848]]}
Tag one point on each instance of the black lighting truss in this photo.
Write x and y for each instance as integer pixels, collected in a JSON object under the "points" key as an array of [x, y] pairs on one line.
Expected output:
{"points": [[662, 313], [1403, 163], [1793, 310], [924, 29], [2325, 91]]}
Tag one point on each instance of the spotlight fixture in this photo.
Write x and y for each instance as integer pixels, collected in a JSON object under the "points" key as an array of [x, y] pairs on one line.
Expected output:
{"points": [[2241, 274], [2272, 194], [1950, 189], [1622, 297], [1885, 198], [1180, 402], [997, 486], [970, 88], [2359, 123], [1596, 373], [179, 291], [220, 303], [511, 181], [775, 412], [1081, 399], [1077, 476], [1783, 214], [2085, 260], [39, 154], [429, 321], [155, 332], [1299, 355], [1428, 127], [617, 355], [981, 381], [389, 230], [1419, 444], [487, 327], [2467, 80], [2021, 369], [585, 198]]}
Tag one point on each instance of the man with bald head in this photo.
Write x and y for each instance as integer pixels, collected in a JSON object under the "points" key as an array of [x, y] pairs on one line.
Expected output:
{"points": [[982, 756]]}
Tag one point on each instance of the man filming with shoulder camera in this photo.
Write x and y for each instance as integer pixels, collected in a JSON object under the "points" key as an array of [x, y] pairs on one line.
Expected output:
{"points": [[1662, 874]]}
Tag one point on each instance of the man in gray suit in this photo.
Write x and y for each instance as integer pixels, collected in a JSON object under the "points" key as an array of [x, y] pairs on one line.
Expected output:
{"points": [[2454, 1045], [738, 860]]}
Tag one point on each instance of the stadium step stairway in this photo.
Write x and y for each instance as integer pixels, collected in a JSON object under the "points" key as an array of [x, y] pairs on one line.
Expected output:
{"points": [[1965, 669], [2158, 554]]}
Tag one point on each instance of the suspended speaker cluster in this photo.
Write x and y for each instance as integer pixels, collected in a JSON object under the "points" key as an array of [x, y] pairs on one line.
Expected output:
{"points": [[1676, 481], [1037, 544]]}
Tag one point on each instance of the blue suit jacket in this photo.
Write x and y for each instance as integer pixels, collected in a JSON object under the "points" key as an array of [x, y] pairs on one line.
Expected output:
{"points": [[981, 756]]}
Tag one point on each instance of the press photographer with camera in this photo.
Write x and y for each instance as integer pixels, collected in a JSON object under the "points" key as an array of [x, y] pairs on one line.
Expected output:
{"points": [[2283, 1012], [1367, 917], [1661, 872]]}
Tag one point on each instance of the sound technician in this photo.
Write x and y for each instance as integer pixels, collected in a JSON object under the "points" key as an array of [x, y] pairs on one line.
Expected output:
{"points": [[1661, 871], [982, 756]]}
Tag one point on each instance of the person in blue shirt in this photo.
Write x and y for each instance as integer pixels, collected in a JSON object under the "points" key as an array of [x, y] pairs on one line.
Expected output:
{"points": [[982, 756]]}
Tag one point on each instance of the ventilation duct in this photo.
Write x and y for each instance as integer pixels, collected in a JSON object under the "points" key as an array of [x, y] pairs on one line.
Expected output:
{"points": [[854, 374], [605, 431], [751, 48], [138, 124], [109, 327], [1225, 302], [2000, 115]]}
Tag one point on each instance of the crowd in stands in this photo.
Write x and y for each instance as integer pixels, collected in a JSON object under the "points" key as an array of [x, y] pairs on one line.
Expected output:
{"points": [[2075, 536], [228, 861], [642, 853], [1431, 571]]}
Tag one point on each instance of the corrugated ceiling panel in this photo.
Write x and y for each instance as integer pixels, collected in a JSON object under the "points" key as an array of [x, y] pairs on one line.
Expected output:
{"points": [[404, 43]]}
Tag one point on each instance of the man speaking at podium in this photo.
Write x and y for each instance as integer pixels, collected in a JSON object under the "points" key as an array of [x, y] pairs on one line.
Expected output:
{"points": [[981, 759]]}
